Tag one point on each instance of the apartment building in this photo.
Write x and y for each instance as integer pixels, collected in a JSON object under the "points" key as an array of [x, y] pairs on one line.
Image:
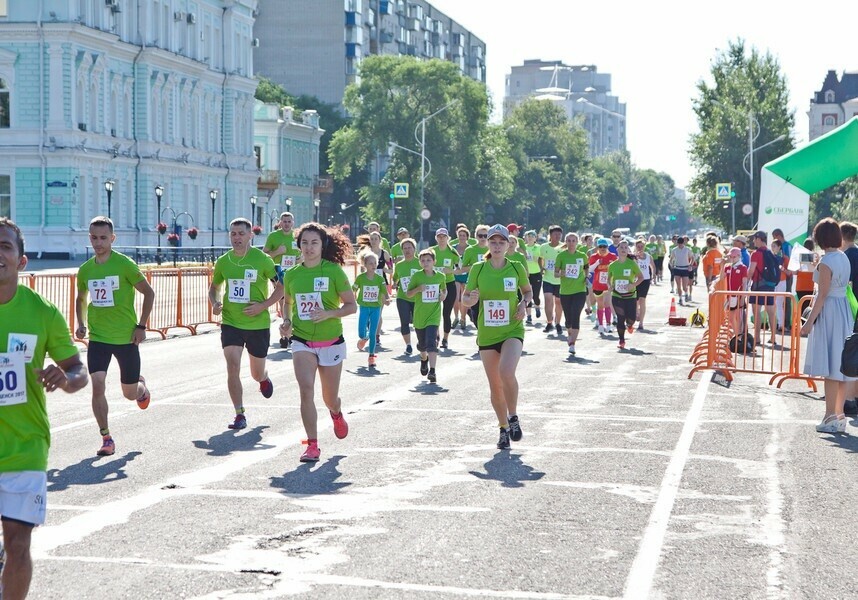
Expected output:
{"points": [[315, 47]]}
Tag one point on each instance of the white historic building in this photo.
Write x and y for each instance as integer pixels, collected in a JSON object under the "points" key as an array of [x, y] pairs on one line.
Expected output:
{"points": [[834, 104]]}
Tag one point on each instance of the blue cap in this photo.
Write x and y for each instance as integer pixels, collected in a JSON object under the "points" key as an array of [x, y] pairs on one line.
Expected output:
{"points": [[603, 242]]}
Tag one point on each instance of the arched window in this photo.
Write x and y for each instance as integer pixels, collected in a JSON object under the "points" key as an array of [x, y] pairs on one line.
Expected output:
{"points": [[829, 96], [829, 121], [5, 109]]}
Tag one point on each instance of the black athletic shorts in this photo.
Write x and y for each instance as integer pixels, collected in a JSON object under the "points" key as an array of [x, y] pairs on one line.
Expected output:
{"points": [[98, 357], [643, 288], [255, 340], [550, 288], [497, 347]]}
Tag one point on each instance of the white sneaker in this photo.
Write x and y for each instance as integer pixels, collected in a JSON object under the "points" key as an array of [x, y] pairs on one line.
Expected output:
{"points": [[832, 424], [602, 330], [609, 329], [572, 349]]}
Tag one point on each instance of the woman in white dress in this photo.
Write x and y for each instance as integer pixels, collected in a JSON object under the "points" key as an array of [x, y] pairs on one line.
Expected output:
{"points": [[829, 324]]}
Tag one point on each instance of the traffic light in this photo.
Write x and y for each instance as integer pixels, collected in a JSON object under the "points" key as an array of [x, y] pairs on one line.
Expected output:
{"points": [[391, 195]]}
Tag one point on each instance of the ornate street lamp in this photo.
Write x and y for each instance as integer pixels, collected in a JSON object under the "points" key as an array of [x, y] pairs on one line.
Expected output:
{"points": [[213, 196], [159, 191], [108, 187], [253, 210]]}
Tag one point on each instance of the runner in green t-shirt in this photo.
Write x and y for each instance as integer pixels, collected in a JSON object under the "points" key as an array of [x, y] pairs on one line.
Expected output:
{"points": [[696, 251], [109, 279], [447, 262], [533, 255], [624, 275], [245, 272], [371, 227], [550, 283], [396, 249], [402, 272], [460, 275], [514, 254], [30, 328], [658, 255], [495, 285], [571, 266], [371, 296], [282, 247], [318, 297], [429, 289], [474, 256]]}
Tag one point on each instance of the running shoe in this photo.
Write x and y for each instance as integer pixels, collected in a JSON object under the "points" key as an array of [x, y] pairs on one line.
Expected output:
{"points": [[671, 290], [572, 349], [378, 341], [108, 447], [266, 387], [409, 349], [362, 343], [341, 428], [463, 325], [630, 329], [538, 312], [680, 301], [239, 423], [515, 433], [832, 424], [558, 329], [622, 345], [597, 326], [602, 330], [143, 403], [424, 367], [312, 453], [284, 342], [444, 344], [503, 440], [431, 376], [371, 361], [641, 328], [455, 322], [548, 328], [609, 329], [529, 320]]}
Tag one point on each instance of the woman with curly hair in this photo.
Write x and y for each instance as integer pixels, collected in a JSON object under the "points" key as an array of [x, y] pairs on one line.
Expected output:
{"points": [[318, 296]]}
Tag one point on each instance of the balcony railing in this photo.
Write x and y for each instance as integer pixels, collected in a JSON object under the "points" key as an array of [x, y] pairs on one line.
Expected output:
{"points": [[269, 180], [323, 185]]}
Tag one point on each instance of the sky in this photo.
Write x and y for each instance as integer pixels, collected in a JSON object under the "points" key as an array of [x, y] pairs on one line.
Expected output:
{"points": [[657, 51]]}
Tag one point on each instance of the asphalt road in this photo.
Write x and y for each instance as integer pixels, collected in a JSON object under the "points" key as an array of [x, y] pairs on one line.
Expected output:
{"points": [[631, 482]]}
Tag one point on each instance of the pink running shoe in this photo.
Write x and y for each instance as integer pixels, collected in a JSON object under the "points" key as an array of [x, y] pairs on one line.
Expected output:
{"points": [[312, 453], [108, 447], [341, 428]]}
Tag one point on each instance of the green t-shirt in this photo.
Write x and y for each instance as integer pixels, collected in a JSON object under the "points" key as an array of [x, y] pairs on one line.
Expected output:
{"points": [[277, 238], [474, 255], [573, 271], [518, 257], [427, 304], [532, 254], [396, 251], [472, 242], [620, 275], [246, 279], [660, 250], [696, 250], [30, 327], [110, 314], [402, 272], [370, 292], [447, 258], [652, 249], [498, 299], [521, 244], [549, 255], [311, 288]]}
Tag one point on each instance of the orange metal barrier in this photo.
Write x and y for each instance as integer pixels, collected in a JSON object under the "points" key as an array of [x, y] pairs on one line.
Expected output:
{"points": [[729, 316]]}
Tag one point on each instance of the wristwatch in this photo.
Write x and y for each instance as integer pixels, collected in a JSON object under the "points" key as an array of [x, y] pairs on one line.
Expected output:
{"points": [[138, 326]]}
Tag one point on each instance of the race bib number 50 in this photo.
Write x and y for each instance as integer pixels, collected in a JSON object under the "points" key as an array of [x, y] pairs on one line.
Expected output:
{"points": [[13, 385], [239, 291]]}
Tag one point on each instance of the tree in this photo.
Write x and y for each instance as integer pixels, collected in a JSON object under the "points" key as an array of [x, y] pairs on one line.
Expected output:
{"points": [[469, 171], [742, 84], [554, 175]]}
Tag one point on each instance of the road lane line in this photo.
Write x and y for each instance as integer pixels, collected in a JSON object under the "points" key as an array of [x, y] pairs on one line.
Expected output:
{"points": [[642, 574]]}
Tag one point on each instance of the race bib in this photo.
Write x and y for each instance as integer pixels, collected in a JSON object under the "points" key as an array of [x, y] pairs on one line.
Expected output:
{"points": [[622, 286], [294, 244], [287, 261], [307, 303], [431, 293], [643, 265], [627, 272], [448, 262], [114, 281], [496, 313], [403, 283], [13, 384], [603, 277], [481, 258], [572, 271], [23, 342], [238, 291], [101, 292], [549, 265], [370, 293], [250, 275], [320, 284], [509, 284]]}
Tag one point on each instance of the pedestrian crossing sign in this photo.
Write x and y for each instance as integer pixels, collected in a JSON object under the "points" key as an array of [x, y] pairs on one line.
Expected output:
{"points": [[400, 190], [723, 191]]}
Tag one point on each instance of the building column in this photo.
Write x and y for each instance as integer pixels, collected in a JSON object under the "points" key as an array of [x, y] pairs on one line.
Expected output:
{"points": [[56, 82]]}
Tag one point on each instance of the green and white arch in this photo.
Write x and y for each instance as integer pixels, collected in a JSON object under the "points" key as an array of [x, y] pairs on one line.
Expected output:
{"points": [[786, 183]]}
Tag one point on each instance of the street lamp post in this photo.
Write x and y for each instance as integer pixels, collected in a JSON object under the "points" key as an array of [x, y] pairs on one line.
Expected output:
{"points": [[253, 200], [316, 203], [108, 187], [213, 197], [159, 191], [422, 142], [750, 158]]}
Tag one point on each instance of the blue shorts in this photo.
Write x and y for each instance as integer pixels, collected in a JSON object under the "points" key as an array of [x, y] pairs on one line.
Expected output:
{"points": [[463, 278]]}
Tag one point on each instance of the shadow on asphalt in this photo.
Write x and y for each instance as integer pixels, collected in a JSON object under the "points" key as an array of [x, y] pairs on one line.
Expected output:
{"points": [[280, 356], [308, 480], [367, 372], [224, 444], [845, 442], [509, 469], [581, 361], [90, 471], [426, 388]]}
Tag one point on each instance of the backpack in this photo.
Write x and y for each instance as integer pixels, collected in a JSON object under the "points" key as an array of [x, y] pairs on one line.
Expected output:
{"points": [[771, 275], [742, 344]]}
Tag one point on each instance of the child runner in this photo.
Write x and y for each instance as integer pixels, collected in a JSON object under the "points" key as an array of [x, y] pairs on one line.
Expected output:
{"points": [[318, 296], [371, 293], [109, 279], [402, 272], [599, 262], [429, 288], [496, 285], [624, 276], [571, 267], [446, 259]]}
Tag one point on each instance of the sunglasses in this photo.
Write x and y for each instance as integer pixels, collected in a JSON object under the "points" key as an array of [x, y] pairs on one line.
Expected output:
{"points": [[482, 235], [615, 236]]}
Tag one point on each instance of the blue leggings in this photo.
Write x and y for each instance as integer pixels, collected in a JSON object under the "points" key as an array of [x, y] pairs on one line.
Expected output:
{"points": [[369, 317]]}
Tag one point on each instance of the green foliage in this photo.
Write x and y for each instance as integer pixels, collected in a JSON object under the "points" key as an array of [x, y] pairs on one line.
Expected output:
{"points": [[839, 201], [741, 83]]}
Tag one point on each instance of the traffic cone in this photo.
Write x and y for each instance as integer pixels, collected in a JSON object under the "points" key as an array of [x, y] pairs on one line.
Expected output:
{"points": [[672, 314], [673, 318]]}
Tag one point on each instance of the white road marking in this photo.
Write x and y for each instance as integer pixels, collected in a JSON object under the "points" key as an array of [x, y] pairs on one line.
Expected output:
{"points": [[642, 573]]}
